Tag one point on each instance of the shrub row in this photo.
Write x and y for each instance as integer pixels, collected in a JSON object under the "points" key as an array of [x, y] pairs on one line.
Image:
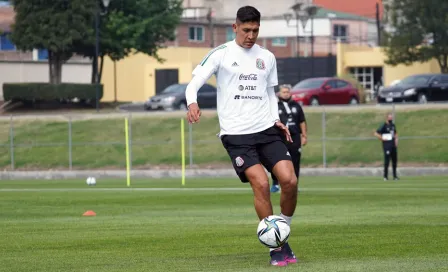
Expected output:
{"points": [[33, 92]]}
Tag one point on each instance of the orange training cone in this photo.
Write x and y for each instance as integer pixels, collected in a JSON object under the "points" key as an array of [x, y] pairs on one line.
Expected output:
{"points": [[89, 213]]}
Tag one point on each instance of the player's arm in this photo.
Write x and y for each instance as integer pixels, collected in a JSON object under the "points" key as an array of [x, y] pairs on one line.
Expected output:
{"points": [[272, 81], [396, 137], [378, 133], [208, 66], [191, 95], [273, 100], [302, 124]]}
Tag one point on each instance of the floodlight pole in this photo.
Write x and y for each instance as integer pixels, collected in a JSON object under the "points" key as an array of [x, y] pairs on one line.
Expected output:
{"points": [[98, 13]]}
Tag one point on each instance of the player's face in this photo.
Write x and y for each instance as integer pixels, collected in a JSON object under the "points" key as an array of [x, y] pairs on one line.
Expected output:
{"points": [[390, 118], [285, 93], [246, 33]]}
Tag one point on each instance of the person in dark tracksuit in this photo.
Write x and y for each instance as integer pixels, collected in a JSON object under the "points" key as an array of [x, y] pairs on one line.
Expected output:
{"points": [[387, 133], [291, 114]]}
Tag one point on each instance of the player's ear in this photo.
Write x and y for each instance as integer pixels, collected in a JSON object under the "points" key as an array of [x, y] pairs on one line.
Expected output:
{"points": [[234, 26]]}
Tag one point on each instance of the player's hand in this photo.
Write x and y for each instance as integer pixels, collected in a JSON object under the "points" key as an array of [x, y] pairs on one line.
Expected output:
{"points": [[194, 113], [285, 130], [304, 140]]}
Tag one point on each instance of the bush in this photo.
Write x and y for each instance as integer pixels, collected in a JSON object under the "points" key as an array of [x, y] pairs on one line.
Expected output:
{"points": [[28, 92], [355, 82]]}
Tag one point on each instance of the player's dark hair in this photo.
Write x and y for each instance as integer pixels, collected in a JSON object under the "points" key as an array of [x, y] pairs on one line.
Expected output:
{"points": [[248, 14]]}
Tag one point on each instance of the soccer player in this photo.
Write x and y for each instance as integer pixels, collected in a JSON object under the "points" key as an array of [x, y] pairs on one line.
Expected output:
{"points": [[250, 128], [292, 115], [387, 133]]}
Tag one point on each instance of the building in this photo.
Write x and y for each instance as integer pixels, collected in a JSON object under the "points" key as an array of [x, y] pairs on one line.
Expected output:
{"points": [[284, 38], [208, 23], [326, 28], [367, 65]]}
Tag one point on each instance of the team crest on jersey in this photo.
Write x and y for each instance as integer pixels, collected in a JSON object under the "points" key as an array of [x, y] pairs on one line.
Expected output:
{"points": [[260, 64], [239, 161], [294, 110]]}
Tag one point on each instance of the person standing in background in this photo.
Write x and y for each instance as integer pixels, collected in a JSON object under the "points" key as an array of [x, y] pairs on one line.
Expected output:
{"points": [[291, 115], [387, 133]]}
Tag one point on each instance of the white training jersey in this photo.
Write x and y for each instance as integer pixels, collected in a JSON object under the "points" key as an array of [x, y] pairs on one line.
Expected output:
{"points": [[243, 78]]}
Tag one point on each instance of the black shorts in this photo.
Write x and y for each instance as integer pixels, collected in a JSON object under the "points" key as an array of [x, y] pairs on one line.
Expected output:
{"points": [[266, 147]]}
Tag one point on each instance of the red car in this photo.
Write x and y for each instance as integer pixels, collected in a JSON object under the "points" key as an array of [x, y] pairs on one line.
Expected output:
{"points": [[325, 91]]}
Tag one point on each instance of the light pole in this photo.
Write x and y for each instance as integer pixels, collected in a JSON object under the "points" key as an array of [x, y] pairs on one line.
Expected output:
{"points": [[288, 17], [98, 13], [296, 8], [311, 12]]}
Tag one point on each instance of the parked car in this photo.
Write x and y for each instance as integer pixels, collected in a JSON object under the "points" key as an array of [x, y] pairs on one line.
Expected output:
{"points": [[325, 91], [173, 97], [417, 88]]}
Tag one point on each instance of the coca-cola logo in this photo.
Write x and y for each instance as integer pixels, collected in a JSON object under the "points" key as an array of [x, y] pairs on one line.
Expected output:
{"points": [[248, 77]]}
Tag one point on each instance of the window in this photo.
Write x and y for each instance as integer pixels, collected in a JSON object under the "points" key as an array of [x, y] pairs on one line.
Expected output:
{"points": [[311, 83], [5, 3], [340, 32], [364, 75], [415, 80], [175, 88], [6, 44], [196, 33], [332, 84], [207, 89], [230, 35], [279, 41], [42, 54], [341, 84], [444, 79]]}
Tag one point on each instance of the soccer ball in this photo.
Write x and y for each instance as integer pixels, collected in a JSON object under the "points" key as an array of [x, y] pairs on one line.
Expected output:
{"points": [[91, 181], [273, 231]]}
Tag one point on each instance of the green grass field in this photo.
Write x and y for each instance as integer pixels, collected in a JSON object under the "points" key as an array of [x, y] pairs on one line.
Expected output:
{"points": [[156, 141], [342, 224]]}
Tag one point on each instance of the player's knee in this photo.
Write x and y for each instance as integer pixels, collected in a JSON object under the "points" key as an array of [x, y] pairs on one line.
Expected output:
{"points": [[290, 182], [260, 185]]}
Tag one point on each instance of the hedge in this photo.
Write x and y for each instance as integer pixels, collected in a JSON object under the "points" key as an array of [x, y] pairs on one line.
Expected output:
{"points": [[50, 92]]}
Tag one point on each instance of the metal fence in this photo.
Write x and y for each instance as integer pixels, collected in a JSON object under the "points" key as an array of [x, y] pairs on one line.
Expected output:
{"points": [[337, 135]]}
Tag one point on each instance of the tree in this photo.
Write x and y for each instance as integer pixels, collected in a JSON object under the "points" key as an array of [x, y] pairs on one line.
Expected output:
{"points": [[419, 32], [131, 26], [52, 25]]}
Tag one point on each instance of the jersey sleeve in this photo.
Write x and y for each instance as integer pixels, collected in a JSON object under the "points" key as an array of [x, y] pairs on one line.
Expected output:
{"points": [[380, 130], [301, 116], [210, 64], [272, 78]]}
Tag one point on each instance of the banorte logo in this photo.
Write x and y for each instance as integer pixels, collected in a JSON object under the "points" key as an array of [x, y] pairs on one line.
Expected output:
{"points": [[249, 77]]}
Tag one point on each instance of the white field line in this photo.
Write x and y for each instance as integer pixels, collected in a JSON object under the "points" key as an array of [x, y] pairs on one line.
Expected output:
{"points": [[208, 189]]}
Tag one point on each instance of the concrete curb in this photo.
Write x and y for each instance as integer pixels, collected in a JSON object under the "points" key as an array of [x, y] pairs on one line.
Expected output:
{"points": [[209, 173]]}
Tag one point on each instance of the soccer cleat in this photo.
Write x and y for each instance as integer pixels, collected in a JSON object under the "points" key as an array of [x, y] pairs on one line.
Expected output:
{"points": [[396, 178], [386, 179], [289, 254], [278, 258], [275, 188]]}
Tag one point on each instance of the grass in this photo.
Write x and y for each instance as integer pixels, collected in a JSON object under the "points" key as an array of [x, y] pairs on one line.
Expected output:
{"points": [[99, 143], [341, 224]]}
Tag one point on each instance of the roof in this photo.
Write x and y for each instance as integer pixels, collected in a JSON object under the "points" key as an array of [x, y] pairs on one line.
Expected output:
{"points": [[329, 13], [6, 18], [363, 8], [325, 13]]}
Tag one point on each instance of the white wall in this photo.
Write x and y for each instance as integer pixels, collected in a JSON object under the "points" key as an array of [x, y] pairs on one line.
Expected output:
{"points": [[279, 28], [39, 72]]}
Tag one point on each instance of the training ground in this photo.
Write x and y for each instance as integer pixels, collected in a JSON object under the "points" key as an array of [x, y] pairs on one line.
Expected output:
{"points": [[341, 224]]}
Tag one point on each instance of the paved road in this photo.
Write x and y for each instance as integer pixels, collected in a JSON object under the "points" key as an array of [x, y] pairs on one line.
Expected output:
{"points": [[136, 110]]}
